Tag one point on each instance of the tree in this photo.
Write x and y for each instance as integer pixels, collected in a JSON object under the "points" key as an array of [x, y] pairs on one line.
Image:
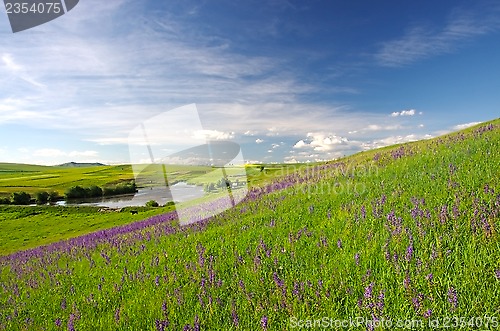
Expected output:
{"points": [[53, 196], [95, 191], [20, 198], [41, 198], [76, 192]]}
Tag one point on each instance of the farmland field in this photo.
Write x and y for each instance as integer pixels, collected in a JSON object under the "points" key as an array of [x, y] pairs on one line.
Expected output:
{"points": [[31, 179], [405, 233]]}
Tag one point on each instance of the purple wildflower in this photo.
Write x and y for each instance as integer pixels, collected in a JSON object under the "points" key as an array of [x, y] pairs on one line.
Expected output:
{"points": [[279, 283], [356, 258], [196, 325], [380, 302], [63, 304], [409, 253], [161, 325], [429, 277], [417, 301], [201, 252], [71, 323], [407, 281], [452, 298], [324, 241], [497, 274], [428, 313], [234, 315], [368, 291], [263, 322], [117, 315], [339, 243], [58, 322]]}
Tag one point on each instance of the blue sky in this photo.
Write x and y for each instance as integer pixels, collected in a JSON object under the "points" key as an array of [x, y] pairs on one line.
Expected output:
{"points": [[288, 80]]}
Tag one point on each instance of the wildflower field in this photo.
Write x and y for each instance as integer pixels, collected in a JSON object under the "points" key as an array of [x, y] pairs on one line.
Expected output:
{"points": [[404, 233]]}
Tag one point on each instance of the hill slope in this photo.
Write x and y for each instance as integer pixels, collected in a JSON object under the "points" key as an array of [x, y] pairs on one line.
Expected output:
{"points": [[81, 165], [407, 233]]}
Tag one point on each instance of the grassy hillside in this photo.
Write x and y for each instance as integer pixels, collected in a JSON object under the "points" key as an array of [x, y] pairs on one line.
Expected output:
{"points": [[406, 234]]}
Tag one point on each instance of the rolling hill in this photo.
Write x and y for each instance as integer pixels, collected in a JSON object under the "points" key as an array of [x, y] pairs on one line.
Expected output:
{"points": [[400, 237]]}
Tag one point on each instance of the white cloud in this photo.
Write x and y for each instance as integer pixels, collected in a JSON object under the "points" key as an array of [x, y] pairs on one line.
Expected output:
{"points": [[409, 112], [378, 127], [9, 63], [299, 144], [464, 126], [392, 140], [421, 42], [259, 141], [213, 135], [322, 142]]}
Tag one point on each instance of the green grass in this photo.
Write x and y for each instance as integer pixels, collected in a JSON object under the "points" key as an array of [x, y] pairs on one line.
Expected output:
{"points": [[33, 179], [398, 234], [25, 227]]}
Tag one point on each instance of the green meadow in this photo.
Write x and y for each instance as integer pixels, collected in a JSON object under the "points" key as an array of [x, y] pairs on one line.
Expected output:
{"points": [[32, 179], [404, 237]]}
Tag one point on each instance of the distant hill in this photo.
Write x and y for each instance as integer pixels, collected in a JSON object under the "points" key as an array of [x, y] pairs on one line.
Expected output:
{"points": [[80, 165]]}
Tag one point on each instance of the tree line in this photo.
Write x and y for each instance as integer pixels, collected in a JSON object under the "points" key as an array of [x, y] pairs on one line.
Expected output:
{"points": [[24, 198], [74, 192], [94, 191]]}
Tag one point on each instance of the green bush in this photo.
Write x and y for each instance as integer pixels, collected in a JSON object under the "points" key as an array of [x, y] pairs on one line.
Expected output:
{"points": [[41, 198], [53, 196], [20, 198], [4, 201], [76, 192], [127, 188], [152, 203], [94, 191]]}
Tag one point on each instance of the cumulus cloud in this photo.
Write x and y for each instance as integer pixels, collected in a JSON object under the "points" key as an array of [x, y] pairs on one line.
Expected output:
{"points": [[213, 135], [259, 141], [409, 112], [324, 146], [326, 142], [299, 144]]}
